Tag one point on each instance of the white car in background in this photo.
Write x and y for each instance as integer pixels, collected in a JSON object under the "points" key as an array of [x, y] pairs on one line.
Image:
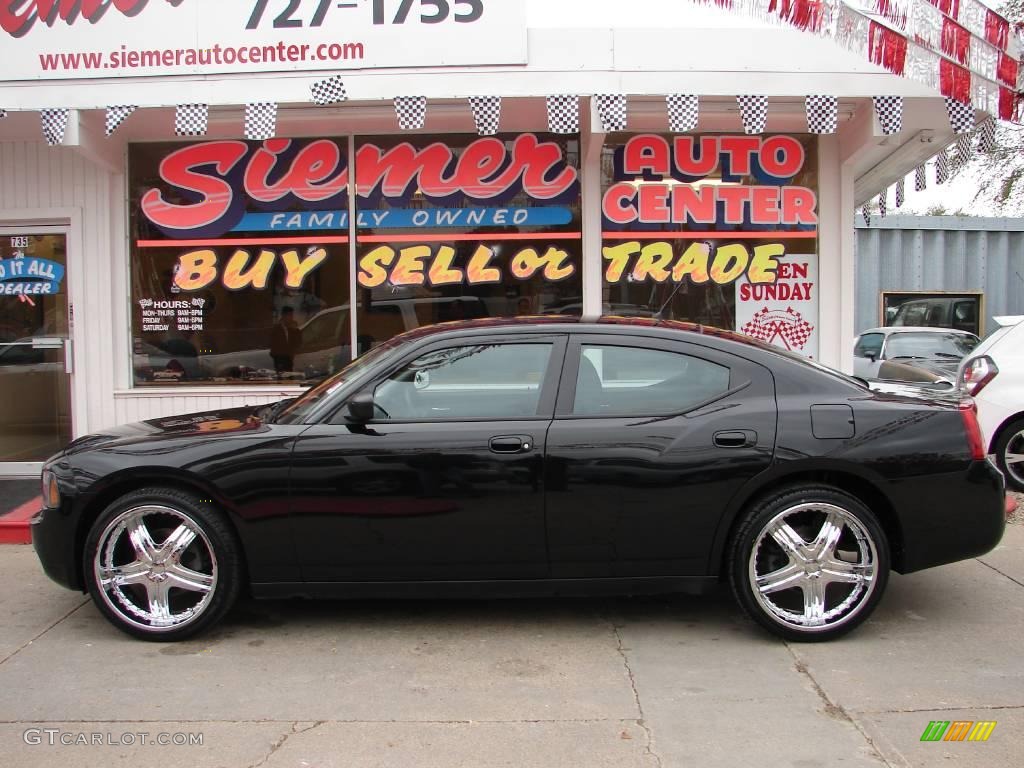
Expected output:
{"points": [[923, 356], [993, 374]]}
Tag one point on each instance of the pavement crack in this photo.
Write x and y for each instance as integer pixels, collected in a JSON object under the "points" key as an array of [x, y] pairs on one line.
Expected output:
{"points": [[987, 565], [966, 708], [641, 721], [276, 745], [834, 710], [27, 643]]}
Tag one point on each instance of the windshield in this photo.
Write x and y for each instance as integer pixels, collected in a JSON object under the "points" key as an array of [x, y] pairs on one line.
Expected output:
{"points": [[951, 345], [306, 402]]}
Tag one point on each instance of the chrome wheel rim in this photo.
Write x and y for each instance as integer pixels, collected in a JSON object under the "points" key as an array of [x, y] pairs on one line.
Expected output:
{"points": [[155, 568], [813, 567], [1013, 457]]}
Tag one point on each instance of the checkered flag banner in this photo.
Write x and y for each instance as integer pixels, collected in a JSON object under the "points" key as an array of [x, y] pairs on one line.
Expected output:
{"points": [[564, 113], [329, 91], [411, 111], [116, 115], [963, 150], [942, 168], [920, 180], [260, 120], [486, 113], [822, 114], [611, 107], [866, 213], [961, 116], [889, 110], [682, 112], [191, 119], [767, 325], [987, 136], [55, 123], [883, 203], [753, 112]]}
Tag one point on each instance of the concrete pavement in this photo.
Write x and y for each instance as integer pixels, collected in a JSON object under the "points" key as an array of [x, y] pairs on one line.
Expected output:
{"points": [[674, 681]]}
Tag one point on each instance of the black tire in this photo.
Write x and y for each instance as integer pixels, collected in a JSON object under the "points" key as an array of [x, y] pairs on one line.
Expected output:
{"points": [[1011, 440], [851, 575], [153, 587]]}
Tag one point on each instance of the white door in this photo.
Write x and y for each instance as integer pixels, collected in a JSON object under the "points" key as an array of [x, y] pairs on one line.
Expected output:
{"points": [[35, 348]]}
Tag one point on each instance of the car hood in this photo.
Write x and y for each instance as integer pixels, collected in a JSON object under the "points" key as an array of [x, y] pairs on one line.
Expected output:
{"points": [[207, 423], [940, 366]]}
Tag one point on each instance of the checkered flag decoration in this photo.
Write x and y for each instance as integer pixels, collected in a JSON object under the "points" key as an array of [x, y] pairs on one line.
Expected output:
{"points": [[883, 203], [963, 150], [611, 107], [564, 113], [191, 119], [889, 110], [942, 168], [987, 136], [866, 213], [486, 113], [116, 115], [55, 123], [411, 111], [260, 120], [329, 91], [822, 114], [753, 112], [766, 325], [899, 193], [961, 116], [682, 112], [920, 179]]}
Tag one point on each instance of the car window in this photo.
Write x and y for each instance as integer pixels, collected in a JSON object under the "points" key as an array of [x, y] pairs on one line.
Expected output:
{"points": [[630, 381], [930, 345], [479, 381], [869, 343]]}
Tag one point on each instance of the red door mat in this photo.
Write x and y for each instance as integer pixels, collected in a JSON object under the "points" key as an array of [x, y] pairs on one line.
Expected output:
{"points": [[19, 501]]}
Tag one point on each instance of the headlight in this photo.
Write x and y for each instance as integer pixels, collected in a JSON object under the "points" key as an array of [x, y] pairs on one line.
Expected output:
{"points": [[51, 493]]}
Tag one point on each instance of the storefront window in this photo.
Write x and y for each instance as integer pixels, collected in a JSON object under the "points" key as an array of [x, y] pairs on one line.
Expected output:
{"points": [[239, 261], [715, 229], [463, 227], [240, 264]]}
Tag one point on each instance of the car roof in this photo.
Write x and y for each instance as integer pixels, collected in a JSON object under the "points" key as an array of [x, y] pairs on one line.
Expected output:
{"points": [[890, 329]]}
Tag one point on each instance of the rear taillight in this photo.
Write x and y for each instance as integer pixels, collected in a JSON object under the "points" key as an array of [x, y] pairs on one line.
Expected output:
{"points": [[969, 412], [977, 373]]}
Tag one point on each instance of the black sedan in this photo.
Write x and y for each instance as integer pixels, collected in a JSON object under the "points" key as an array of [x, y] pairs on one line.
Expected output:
{"points": [[529, 456]]}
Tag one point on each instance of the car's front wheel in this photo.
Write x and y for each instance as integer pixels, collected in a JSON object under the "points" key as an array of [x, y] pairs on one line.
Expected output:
{"points": [[161, 564], [1009, 451], [809, 563]]}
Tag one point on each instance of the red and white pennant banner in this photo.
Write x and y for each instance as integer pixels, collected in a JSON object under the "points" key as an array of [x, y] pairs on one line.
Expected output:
{"points": [[960, 48]]}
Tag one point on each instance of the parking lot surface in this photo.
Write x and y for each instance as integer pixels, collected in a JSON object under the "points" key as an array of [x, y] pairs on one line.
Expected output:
{"points": [[666, 681]]}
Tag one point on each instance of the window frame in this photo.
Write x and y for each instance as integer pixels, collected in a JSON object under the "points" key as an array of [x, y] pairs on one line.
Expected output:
{"points": [[548, 386], [740, 373]]}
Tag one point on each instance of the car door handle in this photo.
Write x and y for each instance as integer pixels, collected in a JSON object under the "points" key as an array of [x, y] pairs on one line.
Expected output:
{"points": [[737, 438], [511, 444]]}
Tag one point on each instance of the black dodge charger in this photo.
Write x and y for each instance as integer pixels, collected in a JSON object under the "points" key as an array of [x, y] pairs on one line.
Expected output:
{"points": [[529, 456]]}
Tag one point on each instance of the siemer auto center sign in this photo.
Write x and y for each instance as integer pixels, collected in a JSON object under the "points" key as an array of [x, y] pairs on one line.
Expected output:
{"points": [[60, 39]]}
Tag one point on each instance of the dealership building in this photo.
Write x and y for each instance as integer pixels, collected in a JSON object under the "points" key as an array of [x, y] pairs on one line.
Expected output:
{"points": [[205, 205]]}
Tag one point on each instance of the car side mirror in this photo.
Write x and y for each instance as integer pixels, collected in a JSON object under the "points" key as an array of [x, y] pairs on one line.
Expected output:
{"points": [[360, 408], [872, 356]]}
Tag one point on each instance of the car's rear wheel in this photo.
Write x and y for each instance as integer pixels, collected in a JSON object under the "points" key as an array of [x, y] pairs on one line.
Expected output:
{"points": [[162, 565], [809, 563], [1009, 451]]}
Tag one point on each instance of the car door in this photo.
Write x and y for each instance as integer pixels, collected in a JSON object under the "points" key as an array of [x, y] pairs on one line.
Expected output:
{"points": [[650, 441], [446, 482]]}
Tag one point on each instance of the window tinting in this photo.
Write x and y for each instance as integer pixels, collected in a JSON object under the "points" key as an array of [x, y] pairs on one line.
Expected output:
{"points": [[483, 381], [627, 381], [870, 343]]}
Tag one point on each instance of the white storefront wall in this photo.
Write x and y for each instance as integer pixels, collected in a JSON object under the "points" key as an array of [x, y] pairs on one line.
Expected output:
{"points": [[82, 186]]}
